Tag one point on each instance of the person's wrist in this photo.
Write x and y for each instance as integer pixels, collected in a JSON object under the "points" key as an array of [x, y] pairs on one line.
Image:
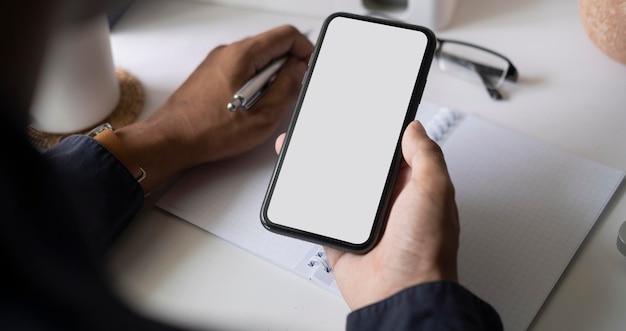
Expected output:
{"points": [[106, 136], [160, 146]]}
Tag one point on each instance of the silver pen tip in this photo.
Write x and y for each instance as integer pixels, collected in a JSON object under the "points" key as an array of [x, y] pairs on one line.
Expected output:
{"points": [[232, 106]]}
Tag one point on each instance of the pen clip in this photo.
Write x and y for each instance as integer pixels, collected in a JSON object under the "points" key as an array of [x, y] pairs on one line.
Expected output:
{"points": [[249, 102], [248, 95]]}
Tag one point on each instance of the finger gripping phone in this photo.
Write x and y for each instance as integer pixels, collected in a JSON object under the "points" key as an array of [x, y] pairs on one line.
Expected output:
{"points": [[334, 177]]}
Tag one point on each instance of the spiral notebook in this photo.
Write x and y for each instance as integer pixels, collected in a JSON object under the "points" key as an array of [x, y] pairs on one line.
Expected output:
{"points": [[525, 207]]}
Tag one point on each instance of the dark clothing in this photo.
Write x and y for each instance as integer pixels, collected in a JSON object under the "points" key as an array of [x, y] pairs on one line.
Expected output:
{"points": [[429, 306], [61, 209]]}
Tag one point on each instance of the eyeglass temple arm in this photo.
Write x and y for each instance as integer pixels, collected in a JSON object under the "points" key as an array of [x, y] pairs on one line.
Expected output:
{"points": [[493, 92]]}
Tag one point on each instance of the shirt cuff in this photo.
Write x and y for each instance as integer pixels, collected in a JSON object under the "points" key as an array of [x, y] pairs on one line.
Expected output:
{"points": [[97, 179], [440, 305]]}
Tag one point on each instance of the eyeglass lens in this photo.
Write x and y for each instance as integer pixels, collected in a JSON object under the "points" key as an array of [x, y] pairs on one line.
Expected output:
{"points": [[473, 64]]}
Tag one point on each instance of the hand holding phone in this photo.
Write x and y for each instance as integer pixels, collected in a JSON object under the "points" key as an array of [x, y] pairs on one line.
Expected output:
{"points": [[334, 177], [421, 237]]}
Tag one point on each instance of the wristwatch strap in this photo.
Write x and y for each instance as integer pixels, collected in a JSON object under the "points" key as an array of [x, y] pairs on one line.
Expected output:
{"points": [[106, 136]]}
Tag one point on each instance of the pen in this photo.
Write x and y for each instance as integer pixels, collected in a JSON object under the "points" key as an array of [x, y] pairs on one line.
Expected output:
{"points": [[256, 86]]}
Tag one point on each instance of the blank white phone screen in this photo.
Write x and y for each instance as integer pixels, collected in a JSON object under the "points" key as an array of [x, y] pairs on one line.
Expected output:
{"points": [[340, 151]]}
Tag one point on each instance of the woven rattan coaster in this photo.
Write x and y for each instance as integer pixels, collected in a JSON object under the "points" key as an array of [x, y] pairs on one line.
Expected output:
{"points": [[128, 107]]}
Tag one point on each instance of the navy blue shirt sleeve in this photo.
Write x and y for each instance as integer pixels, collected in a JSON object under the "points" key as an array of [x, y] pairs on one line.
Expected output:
{"points": [[61, 211], [430, 306], [110, 193]]}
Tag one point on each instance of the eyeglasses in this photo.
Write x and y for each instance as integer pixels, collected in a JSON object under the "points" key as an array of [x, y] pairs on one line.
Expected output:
{"points": [[471, 62], [475, 64]]}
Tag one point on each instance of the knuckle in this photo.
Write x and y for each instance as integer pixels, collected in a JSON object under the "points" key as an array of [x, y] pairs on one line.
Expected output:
{"points": [[217, 49], [288, 29], [429, 146]]}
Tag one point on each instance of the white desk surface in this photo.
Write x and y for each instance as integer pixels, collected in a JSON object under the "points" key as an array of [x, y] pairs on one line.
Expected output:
{"points": [[570, 95]]}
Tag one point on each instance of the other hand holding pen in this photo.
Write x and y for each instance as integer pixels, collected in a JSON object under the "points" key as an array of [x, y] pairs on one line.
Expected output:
{"points": [[192, 127]]}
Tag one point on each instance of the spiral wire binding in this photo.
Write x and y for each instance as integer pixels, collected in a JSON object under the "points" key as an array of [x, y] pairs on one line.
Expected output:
{"points": [[320, 259], [441, 123]]}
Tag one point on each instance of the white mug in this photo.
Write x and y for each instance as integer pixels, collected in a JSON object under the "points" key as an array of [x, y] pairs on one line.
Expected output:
{"points": [[78, 85]]}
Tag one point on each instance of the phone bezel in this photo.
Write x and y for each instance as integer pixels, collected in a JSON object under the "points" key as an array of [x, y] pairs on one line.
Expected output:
{"points": [[383, 207]]}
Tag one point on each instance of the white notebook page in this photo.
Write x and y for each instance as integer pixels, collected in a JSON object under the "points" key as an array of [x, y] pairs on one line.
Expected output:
{"points": [[525, 208], [224, 198]]}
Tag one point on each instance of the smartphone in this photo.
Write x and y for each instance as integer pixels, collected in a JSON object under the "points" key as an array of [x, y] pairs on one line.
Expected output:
{"points": [[333, 179]]}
